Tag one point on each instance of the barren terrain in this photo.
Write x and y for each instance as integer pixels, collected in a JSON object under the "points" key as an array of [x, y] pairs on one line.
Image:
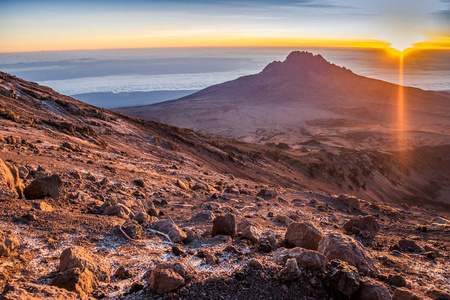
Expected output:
{"points": [[99, 204]]}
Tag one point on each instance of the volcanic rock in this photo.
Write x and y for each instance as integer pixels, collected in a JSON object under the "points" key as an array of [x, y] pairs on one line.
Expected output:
{"points": [[43, 187], [308, 258], [397, 280], [346, 248], [267, 193], [370, 289], [7, 184], [8, 242], [164, 279], [290, 271], [167, 226], [304, 235], [225, 225], [43, 206], [351, 201], [80, 281], [251, 233], [360, 224], [437, 294], [404, 294], [133, 229], [342, 278], [31, 291], [78, 257], [406, 245]]}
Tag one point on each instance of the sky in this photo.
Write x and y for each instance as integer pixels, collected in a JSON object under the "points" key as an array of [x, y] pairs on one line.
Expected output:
{"points": [[43, 25]]}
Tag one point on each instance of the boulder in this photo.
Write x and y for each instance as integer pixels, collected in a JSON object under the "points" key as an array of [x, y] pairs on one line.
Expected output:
{"points": [[8, 242], [78, 257], [267, 193], [7, 184], [346, 248], [203, 216], [351, 201], [251, 233], [225, 225], [31, 291], [141, 217], [139, 182], [164, 279], [167, 226], [404, 294], [406, 245], [370, 289], [304, 235], [360, 225], [80, 281], [436, 294], [342, 278], [43, 206], [397, 280], [308, 258], [283, 220], [44, 187], [290, 271]]}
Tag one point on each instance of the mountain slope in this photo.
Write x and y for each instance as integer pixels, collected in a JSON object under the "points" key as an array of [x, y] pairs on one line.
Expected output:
{"points": [[130, 198], [302, 97]]}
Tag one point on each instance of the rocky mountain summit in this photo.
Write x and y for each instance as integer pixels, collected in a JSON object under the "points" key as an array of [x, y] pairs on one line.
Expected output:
{"points": [[97, 204]]}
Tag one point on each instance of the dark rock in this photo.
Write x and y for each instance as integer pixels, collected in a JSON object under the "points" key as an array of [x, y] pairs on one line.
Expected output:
{"points": [[141, 217], [308, 258], [404, 294], [203, 216], [351, 201], [436, 294], [139, 182], [290, 271], [177, 250], [123, 273], [225, 225], [170, 228], [267, 193], [360, 224], [371, 289], [397, 280], [251, 233], [44, 187], [304, 235], [342, 278], [30, 291], [405, 245]]}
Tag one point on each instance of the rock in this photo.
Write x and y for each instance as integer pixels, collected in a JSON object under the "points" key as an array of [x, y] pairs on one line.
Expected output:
{"points": [[44, 187], [115, 210], [42, 206], [211, 259], [71, 147], [436, 294], [342, 278], [225, 225], [370, 289], [123, 273], [164, 279], [359, 224], [7, 184], [405, 245], [80, 281], [267, 193], [232, 189], [404, 294], [176, 250], [346, 248], [255, 263], [141, 217], [169, 227], [182, 185], [31, 291], [105, 181], [91, 177], [304, 235], [23, 172], [203, 216], [251, 233], [78, 257], [397, 280], [133, 229], [283, 220], [8, 242], [308, 258], [351, 201], [139, 182], [290, 271]]}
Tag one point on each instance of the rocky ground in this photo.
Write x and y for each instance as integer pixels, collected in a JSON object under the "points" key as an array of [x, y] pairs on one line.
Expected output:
{"points": [[95, 204]]}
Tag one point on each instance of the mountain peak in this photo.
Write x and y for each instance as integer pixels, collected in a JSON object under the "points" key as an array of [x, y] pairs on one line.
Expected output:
{"points": [[300, 61]]}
